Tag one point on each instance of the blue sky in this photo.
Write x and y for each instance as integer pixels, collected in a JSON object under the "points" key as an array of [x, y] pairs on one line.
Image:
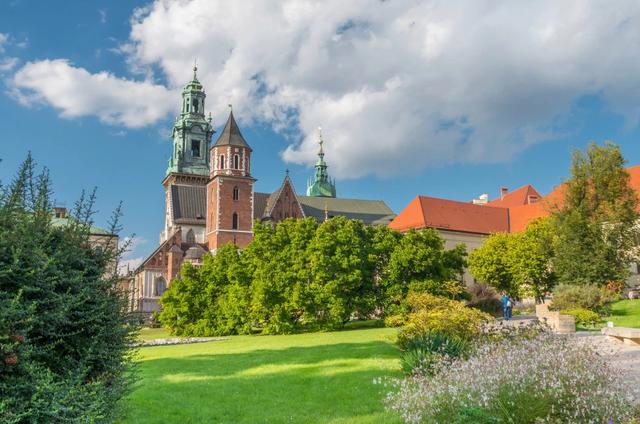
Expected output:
{"points": [[91, 88]]}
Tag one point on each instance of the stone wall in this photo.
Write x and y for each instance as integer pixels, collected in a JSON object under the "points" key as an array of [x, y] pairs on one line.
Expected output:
{"points": [[555, 320]]}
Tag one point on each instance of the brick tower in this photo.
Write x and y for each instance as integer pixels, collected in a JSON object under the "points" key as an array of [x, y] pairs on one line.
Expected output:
{"points": [[230, 190]]}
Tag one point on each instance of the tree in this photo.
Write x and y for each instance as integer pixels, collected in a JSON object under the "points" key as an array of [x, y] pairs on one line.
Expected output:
{"points": [[530, 259], [64, 327], [419, 262], [491, 263], [596, 224], [519, 264]]}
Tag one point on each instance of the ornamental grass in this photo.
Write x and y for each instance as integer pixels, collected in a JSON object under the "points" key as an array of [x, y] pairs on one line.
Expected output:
{"points": [[543, 379]]}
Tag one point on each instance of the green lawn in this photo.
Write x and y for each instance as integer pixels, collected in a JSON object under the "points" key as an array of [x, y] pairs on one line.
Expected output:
{"points": [[625, 313], [153, 333], [305, 378]]}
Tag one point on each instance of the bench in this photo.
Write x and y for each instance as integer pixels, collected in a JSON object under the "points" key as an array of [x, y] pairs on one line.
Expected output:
{"points": [[629, 336]]}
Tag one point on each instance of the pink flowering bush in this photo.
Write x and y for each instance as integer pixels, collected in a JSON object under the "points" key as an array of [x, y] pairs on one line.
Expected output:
{"points": [[542, 379]]}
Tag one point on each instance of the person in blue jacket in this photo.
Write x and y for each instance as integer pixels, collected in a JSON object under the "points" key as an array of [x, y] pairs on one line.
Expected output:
{"points": [[507, 307]]}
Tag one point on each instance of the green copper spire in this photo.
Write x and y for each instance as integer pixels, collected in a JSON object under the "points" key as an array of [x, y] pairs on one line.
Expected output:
{"points": [[321, 185], [192, 132]]}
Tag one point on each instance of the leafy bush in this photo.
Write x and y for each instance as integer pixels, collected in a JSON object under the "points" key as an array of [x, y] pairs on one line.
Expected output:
{"points": [[582, 315], [485, 298], [547, 378], [423, 352], [590, 297], [394, 321], [615, 287], [438, 314]]}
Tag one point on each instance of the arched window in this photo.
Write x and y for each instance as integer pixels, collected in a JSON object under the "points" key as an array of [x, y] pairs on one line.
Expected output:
{"points": [[191, 237], [236, 193], [221, 161], [159, 286], [236, 161], [234, 222]]}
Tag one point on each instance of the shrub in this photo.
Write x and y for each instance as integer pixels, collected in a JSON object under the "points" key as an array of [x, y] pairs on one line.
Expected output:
{"points": [[485, 299], [547, 378], [423, 352], [582, 315], [65, 333], [615, 287], [590, 297], [437, 314], [394, 321]]}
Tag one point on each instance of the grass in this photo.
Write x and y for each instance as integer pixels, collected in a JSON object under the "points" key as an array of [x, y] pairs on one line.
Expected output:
{"points": [[304, 378], [153, 333], [625, 313]]}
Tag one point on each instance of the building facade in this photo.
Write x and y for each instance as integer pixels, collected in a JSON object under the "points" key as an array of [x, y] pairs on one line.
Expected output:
{"points": [[210, 198]]}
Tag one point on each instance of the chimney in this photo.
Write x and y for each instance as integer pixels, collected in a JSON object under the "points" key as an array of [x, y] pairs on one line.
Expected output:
{"points": [[60, 212], [503, 192]]}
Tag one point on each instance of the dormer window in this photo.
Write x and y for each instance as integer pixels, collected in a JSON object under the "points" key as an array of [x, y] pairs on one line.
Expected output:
{"points": [[195, 148]]}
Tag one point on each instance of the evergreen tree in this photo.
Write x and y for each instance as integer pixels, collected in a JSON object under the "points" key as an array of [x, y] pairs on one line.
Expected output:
{"points": [[64, 327]]}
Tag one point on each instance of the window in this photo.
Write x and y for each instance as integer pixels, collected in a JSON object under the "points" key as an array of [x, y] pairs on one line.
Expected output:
{"points": [[191, 238], [236, 193], [195, 148], [221, 161], [234, 223], [159, 286], [195, 105], [236, 161]]}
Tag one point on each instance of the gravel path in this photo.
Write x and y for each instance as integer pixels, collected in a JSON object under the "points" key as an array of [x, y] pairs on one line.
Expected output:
{"points": [[621, 356]]}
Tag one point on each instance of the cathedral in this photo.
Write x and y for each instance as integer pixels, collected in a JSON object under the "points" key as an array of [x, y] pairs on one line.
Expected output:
{"points": [[210, 199]]}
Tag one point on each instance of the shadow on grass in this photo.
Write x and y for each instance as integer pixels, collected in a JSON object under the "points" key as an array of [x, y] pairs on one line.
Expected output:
{"points": [[332, 383]]}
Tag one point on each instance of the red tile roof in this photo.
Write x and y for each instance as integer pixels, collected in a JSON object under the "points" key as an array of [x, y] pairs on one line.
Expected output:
{"points": [[517, 197], [445, 214], [512, 213]]}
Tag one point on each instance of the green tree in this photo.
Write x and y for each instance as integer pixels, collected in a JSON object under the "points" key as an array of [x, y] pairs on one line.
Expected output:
{"points": [[341, 273], [530, 259], [419, 262], [492, 262], [596, 223], [64, 327]]}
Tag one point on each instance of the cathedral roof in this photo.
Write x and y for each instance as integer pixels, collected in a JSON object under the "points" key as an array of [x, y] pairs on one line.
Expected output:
{"points": [[371, 212], [231, 135], [188, 204]]}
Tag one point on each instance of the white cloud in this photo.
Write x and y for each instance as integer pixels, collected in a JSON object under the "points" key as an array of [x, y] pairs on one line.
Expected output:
{"points": [[396, 86], [76, 92], [130, 259], [7, 64], [4, 38]]}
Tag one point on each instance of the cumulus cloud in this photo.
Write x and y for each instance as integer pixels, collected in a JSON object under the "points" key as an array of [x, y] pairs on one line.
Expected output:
{"points": [[76, 93], [130, 259], [396, 86]]}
